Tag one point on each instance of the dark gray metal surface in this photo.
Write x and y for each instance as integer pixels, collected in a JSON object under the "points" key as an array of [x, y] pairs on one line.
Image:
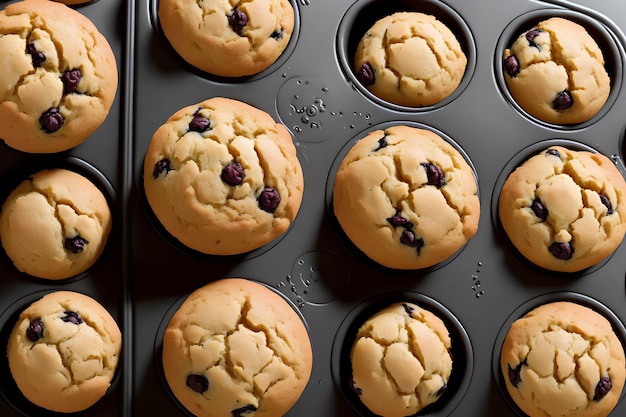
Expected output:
{"points": [[143, 275]]}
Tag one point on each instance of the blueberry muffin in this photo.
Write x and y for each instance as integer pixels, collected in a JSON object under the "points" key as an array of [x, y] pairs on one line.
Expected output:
{"points": [[55, 224], [406, 197], [555, 71], [564, 210], [223, 177], [410, 59], [228, 38], [236, 348], [563, 359], [58, 77], [63, 351], [401, 360]]}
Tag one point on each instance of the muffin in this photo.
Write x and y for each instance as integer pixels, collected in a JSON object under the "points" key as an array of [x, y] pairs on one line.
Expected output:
{"points": [[406, 198], [555, 72], [58, 77], [564, 210], [63, 351], [223, 177], [55, 224], [410, 59], [235, 347], [401, 360], [563, 359], [228, 38]]}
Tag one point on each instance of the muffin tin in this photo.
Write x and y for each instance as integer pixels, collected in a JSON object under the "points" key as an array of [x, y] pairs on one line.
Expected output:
{"points": [[144, 273]]}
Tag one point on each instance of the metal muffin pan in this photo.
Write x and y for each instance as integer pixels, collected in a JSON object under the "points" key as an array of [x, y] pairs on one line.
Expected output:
{"points": [[101, 159], [144, 273]]}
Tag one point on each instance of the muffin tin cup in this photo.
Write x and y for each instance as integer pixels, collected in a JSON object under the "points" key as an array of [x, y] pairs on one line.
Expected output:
{"points": [[608, 42], [280, 61], [16, 173], [10, 391], [461, 351], [364, 13], [517, 160], [165, 321], [526, 307], [158, 351], [330, 182]]}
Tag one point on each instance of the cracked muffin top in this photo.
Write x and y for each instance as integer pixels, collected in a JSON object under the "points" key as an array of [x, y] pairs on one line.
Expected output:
{"points": [[563, 359], [564, 210], [555, 71], [410, 59], [236, 348], [63, 351], [223, 177], [406, 197], [228, 38], [401, 360], [55, 224], [58, 77]]}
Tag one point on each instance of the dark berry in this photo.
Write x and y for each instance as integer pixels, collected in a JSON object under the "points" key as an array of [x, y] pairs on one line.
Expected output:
{"points": [[408, 238], [233, 174], [277, 34], [605, 200], [269, 199], [398, 220], [563, 101], [75, 244], [562, 251], [198, 383], [162, 166], [237, 20], [70, 80], [420, 245], [553, 152], [531, 35], [441, 390], [71, 317], [366, 74], [408, 309], [358, 391], [515, 374], [239, 412], [38, 57], [539, 209], [602, 388], [511, 66], [382, 143], [51, 120], [199, 123], [434, 174], [34, 331]]}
